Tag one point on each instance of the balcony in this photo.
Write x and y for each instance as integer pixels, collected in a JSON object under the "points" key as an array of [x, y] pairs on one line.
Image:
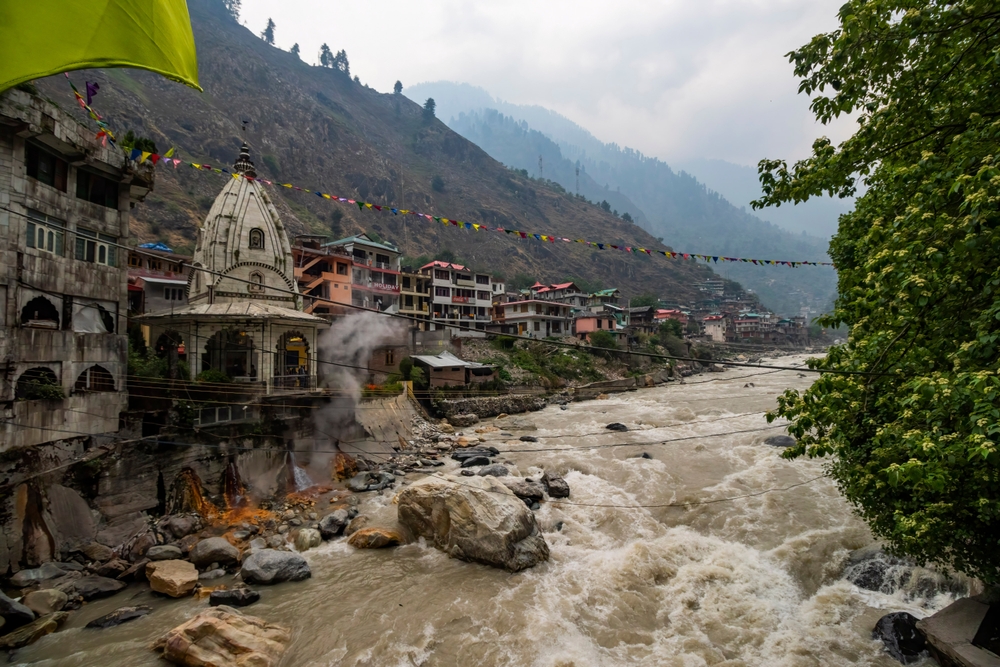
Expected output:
{"points": [[385, 266]]}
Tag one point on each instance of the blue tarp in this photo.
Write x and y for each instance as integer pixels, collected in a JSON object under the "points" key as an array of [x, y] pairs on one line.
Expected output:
{"points": [[156, 246]]}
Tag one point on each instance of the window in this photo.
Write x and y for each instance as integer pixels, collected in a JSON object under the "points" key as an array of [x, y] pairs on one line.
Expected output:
{"points": [[45, 233], [483, 296], [173, 293], [135, 261], [441, 275], [389, 358], [96, 189], [45, 167], [537, 327], [256, 282], [154, 265], [95, 378], [40, 313], [382, 260], [442, 291], [406, 282], [38, 383], [256, 239], [341, 269], [600, 323], [174, 267], [524, 307], [483, 280], [94, 247]]}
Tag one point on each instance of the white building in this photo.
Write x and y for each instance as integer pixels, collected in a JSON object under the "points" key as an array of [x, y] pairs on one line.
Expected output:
{"points": [[245, 317], [533, 317], [458, 296]]}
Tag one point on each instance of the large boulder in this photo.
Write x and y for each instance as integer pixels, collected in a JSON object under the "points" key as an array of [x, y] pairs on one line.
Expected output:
{"points": [[476, 519], [370, 481], [269, 566], [494, 470], [375, 538], [307, 538], [461, 421], [222, 636], [45, 601], [527, 490], [175, 578], [14, 614], [28, 577], [780, 441], [214, 550], [476, 461], [97, 552], [555, 486], [899, 634], [333, 524], [33, 631]]}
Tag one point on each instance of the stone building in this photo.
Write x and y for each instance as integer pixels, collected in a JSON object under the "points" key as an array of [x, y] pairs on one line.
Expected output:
{"points": [[244, 317], [64, 213]]}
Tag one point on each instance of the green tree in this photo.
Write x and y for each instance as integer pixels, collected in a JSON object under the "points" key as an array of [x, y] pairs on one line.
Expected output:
{"points": [[429, 106], [644, 300], [913, 438], [295, 50], [606, 341], [340, 63], [325, 56], [398, 87], [672, 328], [626, 217], [232, 7], [268, 34]]}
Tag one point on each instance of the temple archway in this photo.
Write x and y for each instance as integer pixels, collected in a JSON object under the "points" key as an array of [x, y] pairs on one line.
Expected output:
{"points": [[95, 378], [231, 352], [37, 384], [40, 312], [291, 361]]}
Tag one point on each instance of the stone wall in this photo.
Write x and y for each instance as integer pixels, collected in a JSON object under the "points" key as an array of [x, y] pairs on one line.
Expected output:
{"points": [[490, 406]]}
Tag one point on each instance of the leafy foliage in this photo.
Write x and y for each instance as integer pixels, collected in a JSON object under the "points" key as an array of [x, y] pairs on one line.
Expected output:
{"points": [[132, 141], [213, 376], [603, 339], [913, 441]]}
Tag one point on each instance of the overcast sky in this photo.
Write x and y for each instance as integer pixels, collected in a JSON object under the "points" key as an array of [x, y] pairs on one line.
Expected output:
{"points": [[675, 79]]}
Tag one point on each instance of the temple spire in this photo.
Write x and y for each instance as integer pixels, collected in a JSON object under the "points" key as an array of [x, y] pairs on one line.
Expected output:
{"points": [[243, 164]]}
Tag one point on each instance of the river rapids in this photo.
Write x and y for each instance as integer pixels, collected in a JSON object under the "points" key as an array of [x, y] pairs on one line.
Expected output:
{"points": [[748, 577]]}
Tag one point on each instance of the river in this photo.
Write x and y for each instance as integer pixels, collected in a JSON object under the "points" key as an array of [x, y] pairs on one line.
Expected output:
{"points": [[738, 580]]}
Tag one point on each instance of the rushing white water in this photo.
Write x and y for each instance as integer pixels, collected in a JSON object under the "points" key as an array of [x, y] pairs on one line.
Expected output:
{"points": [[740, 579]]}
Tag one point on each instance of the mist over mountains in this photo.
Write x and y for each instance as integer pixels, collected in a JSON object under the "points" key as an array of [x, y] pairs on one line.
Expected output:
{"points": [[676, 206]]}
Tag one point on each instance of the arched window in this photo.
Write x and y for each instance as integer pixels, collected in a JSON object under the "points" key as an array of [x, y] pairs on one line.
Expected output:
{"points": [[39, 312], [95, 378], [256, 239], [39, 383], [256, 282], [291, 363]]}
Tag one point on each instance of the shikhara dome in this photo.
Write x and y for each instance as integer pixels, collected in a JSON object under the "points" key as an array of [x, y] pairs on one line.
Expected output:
{"points": [[243, 239]]}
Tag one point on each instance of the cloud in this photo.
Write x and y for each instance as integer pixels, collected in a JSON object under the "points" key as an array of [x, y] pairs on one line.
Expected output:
{"points": [[673, 78]]}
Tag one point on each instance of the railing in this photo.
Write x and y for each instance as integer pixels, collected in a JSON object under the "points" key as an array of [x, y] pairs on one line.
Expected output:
{"points": [[385, 266], [293, 382]]}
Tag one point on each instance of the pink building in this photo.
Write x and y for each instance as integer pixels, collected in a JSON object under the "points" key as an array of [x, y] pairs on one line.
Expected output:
{"points": [[587, 323]]}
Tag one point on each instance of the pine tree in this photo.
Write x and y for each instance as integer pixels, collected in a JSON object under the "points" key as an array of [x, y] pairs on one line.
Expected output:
{"points": [[429, 106], [268, 34], [295, 50], [398, 88], [325, 56], [340, 62]]}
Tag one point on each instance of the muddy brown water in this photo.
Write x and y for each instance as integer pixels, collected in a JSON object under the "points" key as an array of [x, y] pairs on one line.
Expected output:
{"points": [[751, 581]]}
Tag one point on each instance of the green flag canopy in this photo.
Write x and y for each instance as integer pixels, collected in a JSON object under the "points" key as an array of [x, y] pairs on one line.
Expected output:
{"points": [[43, 37]]}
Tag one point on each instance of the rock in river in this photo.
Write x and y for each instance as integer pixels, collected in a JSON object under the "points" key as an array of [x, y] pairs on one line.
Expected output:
{"points": [[119, 616], [476, 519], [780, 441], [900, 636], [14, 614], [370, 481], [475, 461], [494, 470], [164, 552], [307, 538], [28, 577], [269, 566], [238, 596], [477, 451], [223, 636], [333, 524], [616, 426], [175, 578], [555, 485], [45, 601], [214, 550], [91, 588], [375, 538], [33, 631], [529, 491]]}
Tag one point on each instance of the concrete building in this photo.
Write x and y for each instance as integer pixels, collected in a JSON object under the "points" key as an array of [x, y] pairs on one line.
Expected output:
{"points": [[458, 296], [323, 275], [157, 279], [567, 293], [587, 323], [245, 316], [374, 273], [447, 370], [533, 317], [715, 328], [415, 298], [64, 211]]}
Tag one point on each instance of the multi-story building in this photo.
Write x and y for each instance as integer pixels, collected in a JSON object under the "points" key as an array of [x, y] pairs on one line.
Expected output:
{"points": [[323, 275], [567, 293], [414, 298], [64, 215], [533, 317], [599, 299], [157, 279], [458, 296], [715, 328], [375, 272]]}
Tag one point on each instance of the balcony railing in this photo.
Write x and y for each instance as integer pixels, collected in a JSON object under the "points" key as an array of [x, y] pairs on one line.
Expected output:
{"points": [[385, 266], [293, 382]]}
